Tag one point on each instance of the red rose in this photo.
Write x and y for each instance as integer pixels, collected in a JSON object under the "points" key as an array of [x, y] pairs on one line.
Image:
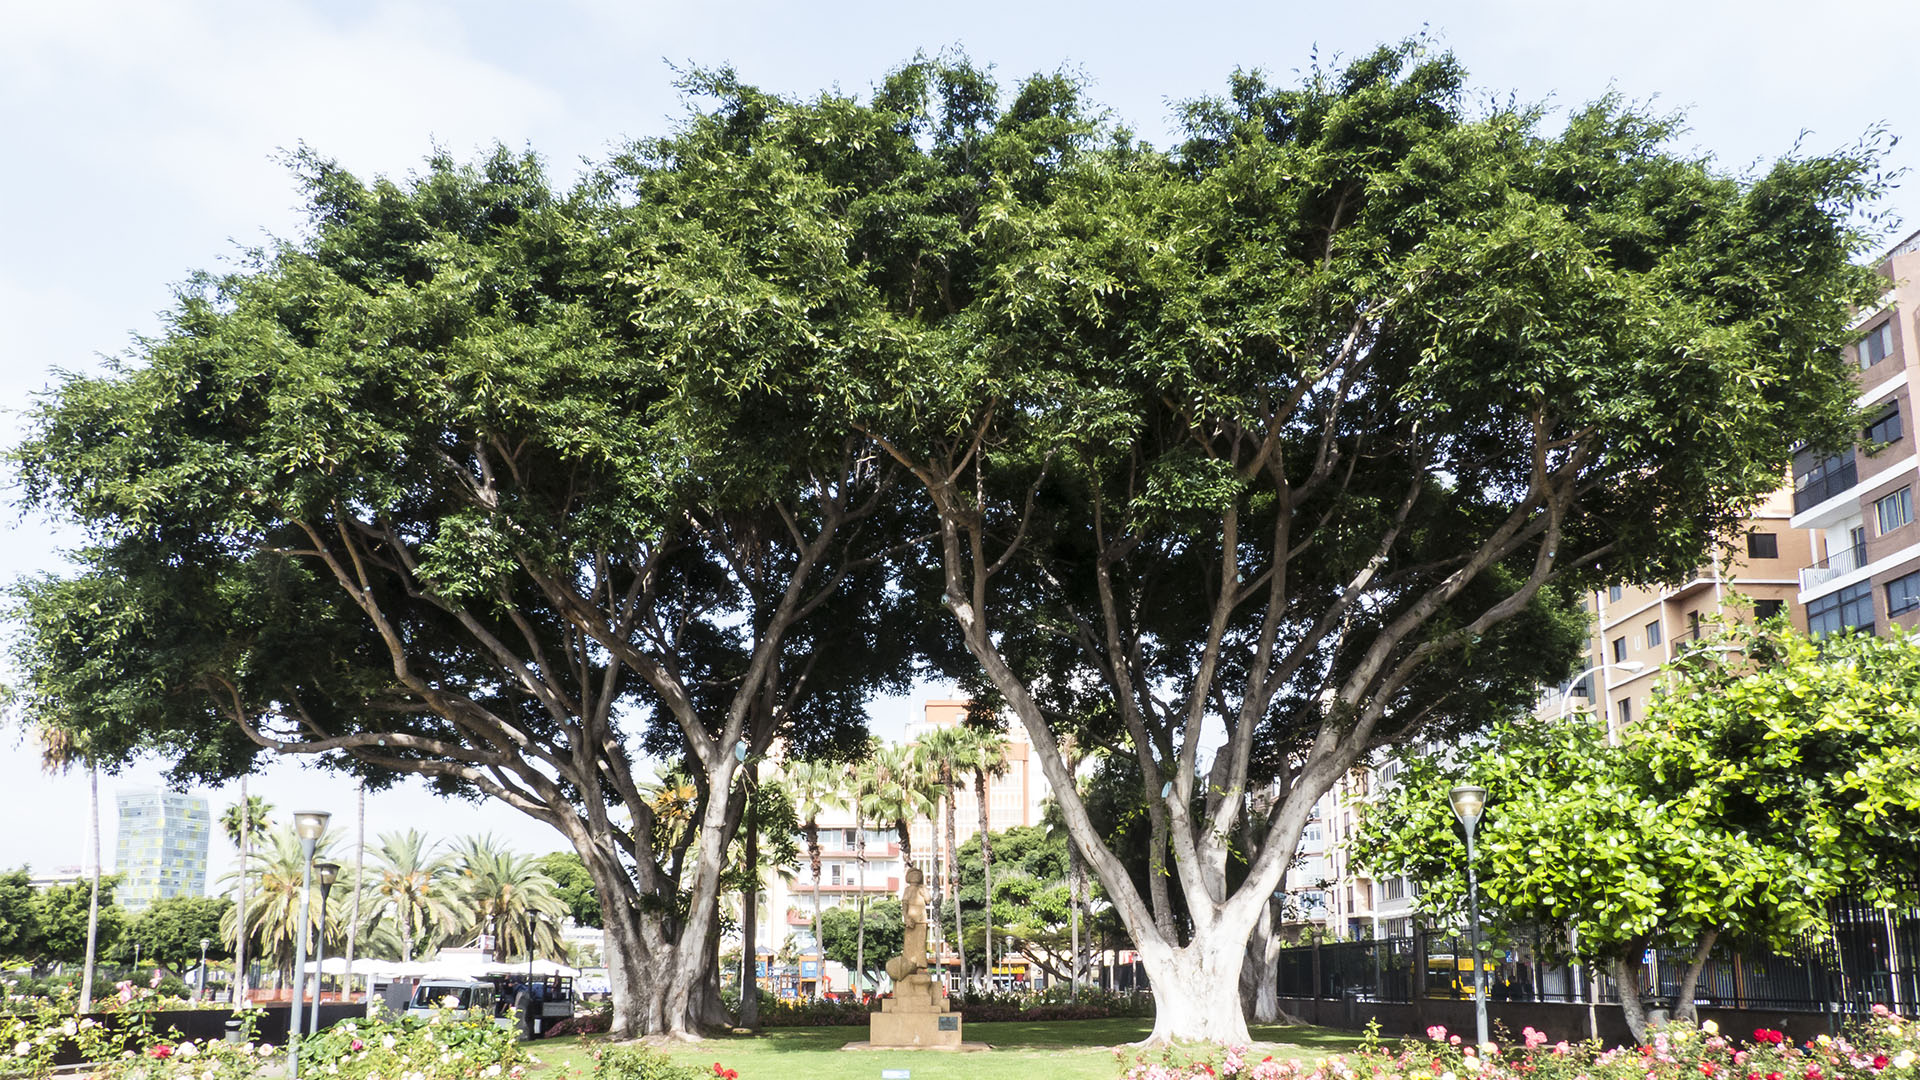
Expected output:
{"points": [[1773, 1076], [161, 1051], [1879, 1061], [1706, 1068]]}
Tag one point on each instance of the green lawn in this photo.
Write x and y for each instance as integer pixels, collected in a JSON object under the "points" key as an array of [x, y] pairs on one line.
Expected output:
{"points": [[1064, 1050]]}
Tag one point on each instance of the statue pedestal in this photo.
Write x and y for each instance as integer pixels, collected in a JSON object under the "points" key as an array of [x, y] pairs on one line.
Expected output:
{"points": [[917, 1014]]}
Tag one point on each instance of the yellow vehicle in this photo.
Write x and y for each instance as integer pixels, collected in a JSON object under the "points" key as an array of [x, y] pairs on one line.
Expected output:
{"points": [[1450, 976]]}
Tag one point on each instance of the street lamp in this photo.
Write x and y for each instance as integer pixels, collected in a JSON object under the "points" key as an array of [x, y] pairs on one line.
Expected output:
{"points": [[1631, 667], [1468, 803], [308, 825], [327, 872], [200, 991]]}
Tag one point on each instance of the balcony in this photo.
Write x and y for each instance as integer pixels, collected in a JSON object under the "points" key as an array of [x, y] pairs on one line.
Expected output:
{"points": [[1844, 561], [1824, 482]]}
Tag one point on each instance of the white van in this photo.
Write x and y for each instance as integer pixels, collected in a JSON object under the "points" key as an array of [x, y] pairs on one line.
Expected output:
{"points": [[469, 996]]}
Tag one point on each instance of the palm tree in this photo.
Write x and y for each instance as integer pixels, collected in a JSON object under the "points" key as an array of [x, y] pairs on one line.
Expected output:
{"points": [[984, 754], [902, 793], [508, 898], [941, 750], [275, 921], [61, 750], [244, 822], [416, 885], [816, 790]]}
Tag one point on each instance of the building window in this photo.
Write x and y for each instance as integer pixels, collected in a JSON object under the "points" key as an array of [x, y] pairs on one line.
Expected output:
{"points": [[1613, 594], [1625, 709], [1819, 478], [1653, 633], [1395, 888], [1763, 545], [1894, 510], [1876, 345], [1767, 609], [1903, 594], [1619, 649], [1886, 429], [1850, 608]]}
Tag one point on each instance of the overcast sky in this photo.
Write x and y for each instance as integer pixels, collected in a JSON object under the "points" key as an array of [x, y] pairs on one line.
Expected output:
{"points": [[141, 142]]}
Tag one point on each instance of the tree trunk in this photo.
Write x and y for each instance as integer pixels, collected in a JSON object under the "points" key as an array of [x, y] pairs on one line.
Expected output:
{"points": [[1626, 972], [1075, 874], [750, 929], [1260, 977], [813, 854], [240, 934], [986, 875], [1683, 995], [860, 934], [93, 903], [359, 881], [953, 875], [1196, 989]]}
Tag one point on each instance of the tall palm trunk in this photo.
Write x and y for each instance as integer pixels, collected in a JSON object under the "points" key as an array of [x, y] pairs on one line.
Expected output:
{"points": [[813, 853], [953, 866], [860, 936], [240, 901], [986, 871], [93, 904], [359, 865]]}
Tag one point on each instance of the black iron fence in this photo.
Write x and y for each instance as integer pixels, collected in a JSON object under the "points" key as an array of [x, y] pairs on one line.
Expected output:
{"points": [[1868, 956]]}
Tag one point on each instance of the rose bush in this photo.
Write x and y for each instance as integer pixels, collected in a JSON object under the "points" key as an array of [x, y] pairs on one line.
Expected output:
{"points": [[1883, 1047], [444, 1046]]}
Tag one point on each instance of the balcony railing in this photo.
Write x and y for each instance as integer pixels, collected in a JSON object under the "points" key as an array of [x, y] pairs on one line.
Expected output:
{"points": [[1836, 479], [1844, 561]]}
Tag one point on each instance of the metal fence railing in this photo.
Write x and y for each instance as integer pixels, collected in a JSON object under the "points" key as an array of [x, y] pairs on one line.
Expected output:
{"points": [[1868, 956]]}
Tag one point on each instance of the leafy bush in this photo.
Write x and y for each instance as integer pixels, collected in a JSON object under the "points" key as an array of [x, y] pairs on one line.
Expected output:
{"points": [[1883, 1048], [443, 1046], [634, 1061]]}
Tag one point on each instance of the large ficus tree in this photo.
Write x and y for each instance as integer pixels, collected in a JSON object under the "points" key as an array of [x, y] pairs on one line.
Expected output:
{"points": [[1255, 455], [497, 486]]}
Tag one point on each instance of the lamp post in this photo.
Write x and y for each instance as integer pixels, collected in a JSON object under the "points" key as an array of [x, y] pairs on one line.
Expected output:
{"points": [[200, 991], [1468, 802], [327, 872], [308, 825], [1631, 667]]}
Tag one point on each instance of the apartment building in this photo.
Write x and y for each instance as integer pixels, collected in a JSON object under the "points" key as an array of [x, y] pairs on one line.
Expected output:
{"points": [[161, 848], [1638, 630], [1325, 892], [1866, 572]]}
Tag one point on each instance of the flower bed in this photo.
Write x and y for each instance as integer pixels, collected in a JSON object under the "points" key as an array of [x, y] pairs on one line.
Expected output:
{"points": [[444, 1046], [1885, 1047]]}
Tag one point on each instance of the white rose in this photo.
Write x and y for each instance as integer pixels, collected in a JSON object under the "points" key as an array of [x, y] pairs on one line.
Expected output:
{"points": [[22, 1049]]}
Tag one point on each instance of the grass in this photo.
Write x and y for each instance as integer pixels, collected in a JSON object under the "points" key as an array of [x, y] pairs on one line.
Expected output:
{"points": [[1061, 1050]]}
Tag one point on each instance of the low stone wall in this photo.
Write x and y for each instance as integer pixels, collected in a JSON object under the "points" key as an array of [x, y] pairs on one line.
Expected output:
{"points": [[1557, 1019]]}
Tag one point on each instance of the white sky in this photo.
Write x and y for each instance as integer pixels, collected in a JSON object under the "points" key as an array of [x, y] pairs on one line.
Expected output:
{"points": [[139, 142]]}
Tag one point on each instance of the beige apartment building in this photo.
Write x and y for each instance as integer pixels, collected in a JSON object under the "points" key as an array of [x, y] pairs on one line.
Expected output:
{"points": [[1637, 630], [1859, 503]]}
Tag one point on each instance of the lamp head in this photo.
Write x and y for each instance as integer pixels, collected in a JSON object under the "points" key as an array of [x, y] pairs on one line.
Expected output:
{"points": [[309, 824], [1468, 802], [327, 872], [204, 942], [1631, 667]]}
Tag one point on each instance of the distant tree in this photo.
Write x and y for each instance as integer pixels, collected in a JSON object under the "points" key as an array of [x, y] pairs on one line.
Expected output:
{"points": [[573, 885], [61, 911], [504, 895], [20, 932], [170, 930], [414, 887], [871, 935]]}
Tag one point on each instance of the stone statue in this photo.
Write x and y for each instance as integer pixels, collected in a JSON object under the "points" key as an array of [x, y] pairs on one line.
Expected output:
{"points": [[917, 1012], [913, 913]]}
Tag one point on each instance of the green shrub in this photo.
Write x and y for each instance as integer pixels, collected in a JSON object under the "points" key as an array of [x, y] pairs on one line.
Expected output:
{"points": [[444, 1046], [633, 1061]]}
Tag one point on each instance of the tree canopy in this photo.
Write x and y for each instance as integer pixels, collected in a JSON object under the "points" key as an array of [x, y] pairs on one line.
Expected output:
{"points": [[1306, 427], [1770, 774]]}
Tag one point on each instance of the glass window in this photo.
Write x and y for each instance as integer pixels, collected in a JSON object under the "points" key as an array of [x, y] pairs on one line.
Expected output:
{"points": [[1903, 593], [1653, 633], [1767, 609], [1850, 608], [1763, 545], [1894, 510], [1619, 649], [1886, 428], [1877, 344], [1613, 594], [1625, 708]]}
